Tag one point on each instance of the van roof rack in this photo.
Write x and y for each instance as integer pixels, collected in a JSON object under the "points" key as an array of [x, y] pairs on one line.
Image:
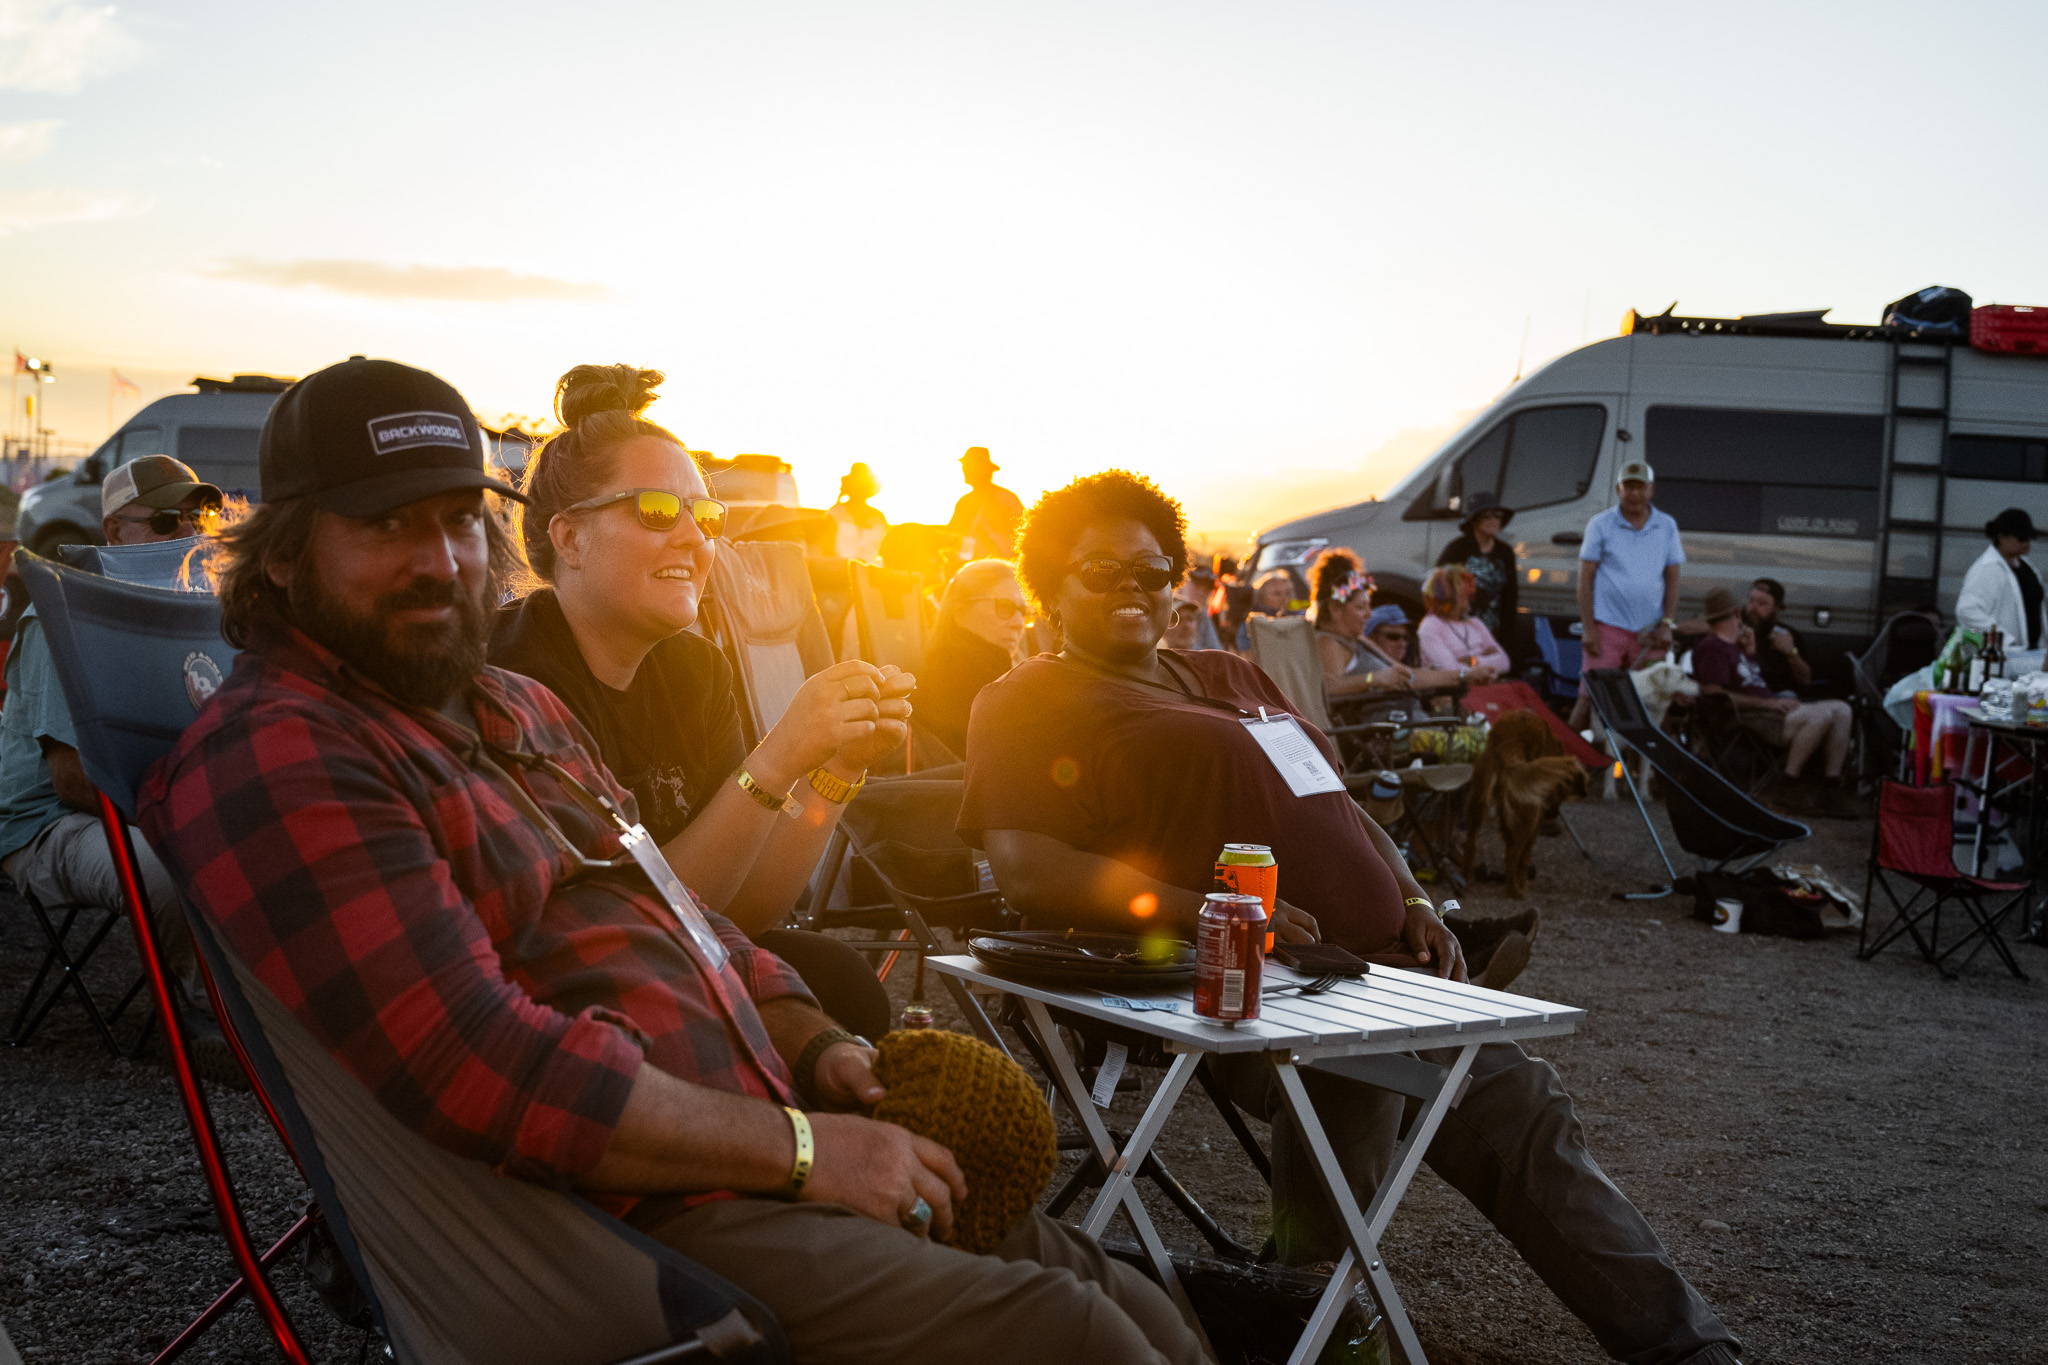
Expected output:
{"points": [[242, 383], [1810, 323]]}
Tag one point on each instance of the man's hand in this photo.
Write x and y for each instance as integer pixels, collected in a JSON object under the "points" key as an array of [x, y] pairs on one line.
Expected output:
{"points": [[1292, 925], [1784, 705], [844, 1077], [1781, 640], [880, 1171], [1432, 944]]}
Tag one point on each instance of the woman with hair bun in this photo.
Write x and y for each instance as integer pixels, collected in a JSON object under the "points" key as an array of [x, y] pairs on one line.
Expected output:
{"points": [[621, 528]]}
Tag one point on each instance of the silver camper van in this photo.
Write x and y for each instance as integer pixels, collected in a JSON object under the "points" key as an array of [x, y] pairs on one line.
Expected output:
{"points": [[1858, 465], [213, 429]]}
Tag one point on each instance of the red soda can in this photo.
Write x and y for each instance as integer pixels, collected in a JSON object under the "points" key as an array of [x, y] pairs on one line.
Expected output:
{"points": [[1251, 870], [1230, 934]]}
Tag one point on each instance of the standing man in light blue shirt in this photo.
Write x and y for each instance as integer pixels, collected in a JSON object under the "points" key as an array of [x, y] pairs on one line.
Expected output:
{"points": [[1628, 577]]}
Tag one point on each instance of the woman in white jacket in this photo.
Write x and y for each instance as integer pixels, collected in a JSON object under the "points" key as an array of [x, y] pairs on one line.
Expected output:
{"points": [[2002, 589]]}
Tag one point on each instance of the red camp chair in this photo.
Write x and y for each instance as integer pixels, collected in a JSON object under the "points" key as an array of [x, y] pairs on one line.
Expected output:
{"points": [[1916, 842]]}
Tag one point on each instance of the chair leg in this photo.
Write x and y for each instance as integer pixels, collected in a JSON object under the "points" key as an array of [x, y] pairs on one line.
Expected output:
{"points": [[197, 1114], [1985, 932], [1670, 873]]}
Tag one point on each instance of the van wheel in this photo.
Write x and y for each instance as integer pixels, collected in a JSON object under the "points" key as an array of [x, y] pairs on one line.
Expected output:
{"points": [[62, 533]]}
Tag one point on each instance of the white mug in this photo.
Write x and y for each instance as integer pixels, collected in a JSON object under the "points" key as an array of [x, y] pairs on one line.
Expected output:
{"points": [[1728, 916]]}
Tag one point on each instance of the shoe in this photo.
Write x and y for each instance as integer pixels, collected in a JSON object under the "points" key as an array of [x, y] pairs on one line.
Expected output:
{"points": [[1506, 963], [1789, 795]]}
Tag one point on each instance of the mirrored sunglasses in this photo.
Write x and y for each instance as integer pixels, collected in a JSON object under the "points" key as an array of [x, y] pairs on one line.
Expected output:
{"points": [[660, 510], [1149, 572]]}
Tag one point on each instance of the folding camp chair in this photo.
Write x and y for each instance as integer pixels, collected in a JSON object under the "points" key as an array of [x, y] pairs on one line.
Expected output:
{"points": [[1558, 658], [761, 612], [1714, 821], [888, 614], [1285, 648], [74, 934], [458, 1264], [1730, 748], [1915, 840]]}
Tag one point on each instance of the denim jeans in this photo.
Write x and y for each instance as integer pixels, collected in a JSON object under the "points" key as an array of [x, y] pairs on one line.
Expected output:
{"points": [[1513, 1147]]}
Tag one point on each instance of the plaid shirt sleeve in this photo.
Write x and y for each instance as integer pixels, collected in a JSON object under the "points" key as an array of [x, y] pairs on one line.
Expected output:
{"points": [[295, 840]]}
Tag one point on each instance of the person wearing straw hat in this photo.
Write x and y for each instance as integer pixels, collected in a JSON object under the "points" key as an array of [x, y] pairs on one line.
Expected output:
{"points": [[1496, 574], [987, 514]]}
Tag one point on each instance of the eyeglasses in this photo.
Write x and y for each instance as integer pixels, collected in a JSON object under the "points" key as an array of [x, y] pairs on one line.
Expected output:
{"points": [[1149, 572], [1007, 608], [660, 510], [1393, 632], [167, 521]]}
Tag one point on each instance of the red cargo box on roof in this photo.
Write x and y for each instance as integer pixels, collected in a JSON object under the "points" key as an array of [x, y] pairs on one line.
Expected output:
{"points": [[2012, 327]]}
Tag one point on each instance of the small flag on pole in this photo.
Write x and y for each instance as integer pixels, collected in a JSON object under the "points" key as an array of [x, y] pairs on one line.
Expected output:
{"points": [[125, 386], [20, 363]]}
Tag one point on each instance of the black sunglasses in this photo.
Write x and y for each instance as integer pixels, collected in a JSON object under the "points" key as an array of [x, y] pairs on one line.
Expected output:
{"points": [[167, 521], [1149, 572]]}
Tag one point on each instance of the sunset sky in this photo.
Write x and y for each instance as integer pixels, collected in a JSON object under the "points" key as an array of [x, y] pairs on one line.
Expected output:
{"points": [[1267, 253]]}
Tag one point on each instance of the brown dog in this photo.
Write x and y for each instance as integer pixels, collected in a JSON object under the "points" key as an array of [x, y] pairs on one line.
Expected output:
{"points": [[1522, 778]]}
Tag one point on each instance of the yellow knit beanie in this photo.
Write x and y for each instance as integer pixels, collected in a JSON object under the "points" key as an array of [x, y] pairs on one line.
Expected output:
{"points": [[981, 1106]]}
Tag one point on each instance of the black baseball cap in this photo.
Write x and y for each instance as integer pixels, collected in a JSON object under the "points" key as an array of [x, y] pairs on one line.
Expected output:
{"points": [[365, 436]]}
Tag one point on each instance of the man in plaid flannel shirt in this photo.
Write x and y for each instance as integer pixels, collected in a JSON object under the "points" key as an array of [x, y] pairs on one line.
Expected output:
{"points": [[391, 835]]}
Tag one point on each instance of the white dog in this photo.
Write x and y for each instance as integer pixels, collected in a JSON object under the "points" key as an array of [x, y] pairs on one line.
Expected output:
{"points": [[1659, 684]]}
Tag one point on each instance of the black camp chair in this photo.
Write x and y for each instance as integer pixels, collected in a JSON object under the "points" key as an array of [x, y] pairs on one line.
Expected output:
{"points": [[1713, 820], [457, 1263]]}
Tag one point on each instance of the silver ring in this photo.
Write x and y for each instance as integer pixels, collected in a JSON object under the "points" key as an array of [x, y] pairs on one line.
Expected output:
{"points": [[920, 1216]]}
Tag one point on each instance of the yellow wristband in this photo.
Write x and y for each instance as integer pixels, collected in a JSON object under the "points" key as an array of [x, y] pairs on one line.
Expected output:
{"points": [[1423, 901], [837, 790], [763, 796], [806, 1149]]}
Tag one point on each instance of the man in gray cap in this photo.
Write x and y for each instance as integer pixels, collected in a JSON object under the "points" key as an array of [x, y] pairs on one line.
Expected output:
{"points": [[51, 844]]}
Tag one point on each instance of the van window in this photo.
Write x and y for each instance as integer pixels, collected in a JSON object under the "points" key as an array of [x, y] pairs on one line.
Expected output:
{"points": [[134, 443], [1751, 472], [222, 455], [1531, 458], [2017, 459]]}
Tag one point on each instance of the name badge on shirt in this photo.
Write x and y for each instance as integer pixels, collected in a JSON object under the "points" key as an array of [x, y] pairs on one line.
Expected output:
{"points": [[638, 842], [1293, 754]]}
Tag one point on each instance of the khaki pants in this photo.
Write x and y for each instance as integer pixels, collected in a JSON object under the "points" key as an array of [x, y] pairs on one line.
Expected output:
{"points": [[69, 864], [848, 1289]]}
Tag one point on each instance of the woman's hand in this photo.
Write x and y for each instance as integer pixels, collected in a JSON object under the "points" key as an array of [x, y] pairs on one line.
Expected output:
{"points": [[843, 1077], [1392, 676], [838, 706], [1426, 938], [1481, 674], [1294, 925], [892, 727]]}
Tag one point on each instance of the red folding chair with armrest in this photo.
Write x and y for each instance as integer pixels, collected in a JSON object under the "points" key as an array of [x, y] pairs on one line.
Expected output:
{"points": [[1915, 841]]}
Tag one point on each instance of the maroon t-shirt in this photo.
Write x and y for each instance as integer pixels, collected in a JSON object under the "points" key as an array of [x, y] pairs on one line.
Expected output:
{"points": [[1161, 781]]}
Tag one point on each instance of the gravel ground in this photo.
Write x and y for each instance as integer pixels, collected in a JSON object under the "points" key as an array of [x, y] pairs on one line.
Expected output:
{"points": [[1847, 1158]]}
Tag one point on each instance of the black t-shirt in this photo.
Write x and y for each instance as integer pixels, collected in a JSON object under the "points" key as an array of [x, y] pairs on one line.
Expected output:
{"points": [[1495, 589], [1777, 668], [957, 665], [670, 739], [2030, 600]]}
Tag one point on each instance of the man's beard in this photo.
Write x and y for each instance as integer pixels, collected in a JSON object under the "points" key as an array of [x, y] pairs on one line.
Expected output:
{"points": [[424, 663]]}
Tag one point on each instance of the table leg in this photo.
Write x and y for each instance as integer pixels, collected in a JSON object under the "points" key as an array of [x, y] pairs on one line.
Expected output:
{"points": [[1119, 1188], [1364, 1228]]}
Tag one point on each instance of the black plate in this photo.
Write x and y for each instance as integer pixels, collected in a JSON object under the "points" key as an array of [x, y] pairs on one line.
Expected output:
{"points": [[1077, 957]]}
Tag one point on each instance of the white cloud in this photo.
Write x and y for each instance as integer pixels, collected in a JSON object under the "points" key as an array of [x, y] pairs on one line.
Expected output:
{"points": [[26, 210], [54, 47], [384, 280], [26, 141]]}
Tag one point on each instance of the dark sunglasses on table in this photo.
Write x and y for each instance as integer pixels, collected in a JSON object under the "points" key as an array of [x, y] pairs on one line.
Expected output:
{"points": [[167, 521], [1006, 608], [1149, 572], [660, 510]]}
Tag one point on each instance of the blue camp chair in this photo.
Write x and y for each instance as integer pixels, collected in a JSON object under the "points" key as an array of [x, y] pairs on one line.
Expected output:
{"points": [[1556, 671], [74, 934], [457, 1263]]}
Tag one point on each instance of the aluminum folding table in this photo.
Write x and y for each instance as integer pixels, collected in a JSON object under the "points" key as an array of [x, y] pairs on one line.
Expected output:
{"points": [[1365, 1029]]}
